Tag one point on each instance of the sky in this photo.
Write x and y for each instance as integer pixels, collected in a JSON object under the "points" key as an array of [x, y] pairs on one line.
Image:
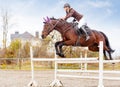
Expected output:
{"points": [[27, 15]]}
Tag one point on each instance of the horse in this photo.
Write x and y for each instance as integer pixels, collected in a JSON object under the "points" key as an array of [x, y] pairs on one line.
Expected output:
{"points": [[71, 38]]}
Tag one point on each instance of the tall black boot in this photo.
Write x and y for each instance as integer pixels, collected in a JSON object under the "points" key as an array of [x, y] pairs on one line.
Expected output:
{"points": [[87, 36]]}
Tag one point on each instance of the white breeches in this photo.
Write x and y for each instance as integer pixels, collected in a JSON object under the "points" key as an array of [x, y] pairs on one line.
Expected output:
{"points": [[82, 22]]}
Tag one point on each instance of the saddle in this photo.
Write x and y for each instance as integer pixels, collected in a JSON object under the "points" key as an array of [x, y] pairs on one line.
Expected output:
{"points": [[80, 31]]}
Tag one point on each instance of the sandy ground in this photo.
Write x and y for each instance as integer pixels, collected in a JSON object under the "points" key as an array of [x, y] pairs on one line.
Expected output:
{"points": [[9, 78]]}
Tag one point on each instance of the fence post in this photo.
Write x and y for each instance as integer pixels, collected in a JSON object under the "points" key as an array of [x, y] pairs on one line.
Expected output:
{"points": [[85, 65], [81, 64], [56, 66], [101, 64], [32, 83], [56, 82]]}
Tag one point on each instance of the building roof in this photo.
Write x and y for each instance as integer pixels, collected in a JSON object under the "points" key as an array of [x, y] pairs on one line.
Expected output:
{"points": [[25, 36]]}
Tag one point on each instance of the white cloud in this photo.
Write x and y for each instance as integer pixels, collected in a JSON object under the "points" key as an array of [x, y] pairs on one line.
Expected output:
{"points": [[99, 4]]}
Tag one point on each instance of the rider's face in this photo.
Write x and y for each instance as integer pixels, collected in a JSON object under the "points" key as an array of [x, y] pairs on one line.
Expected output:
{"points": [[66, 9]]}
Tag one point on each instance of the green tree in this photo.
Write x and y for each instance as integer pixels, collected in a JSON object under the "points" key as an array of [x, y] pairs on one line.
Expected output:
{"points": [[14, 48], [25, 52]]}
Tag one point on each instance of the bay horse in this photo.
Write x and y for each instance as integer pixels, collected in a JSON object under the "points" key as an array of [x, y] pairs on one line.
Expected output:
{"points": [[70, 37]]}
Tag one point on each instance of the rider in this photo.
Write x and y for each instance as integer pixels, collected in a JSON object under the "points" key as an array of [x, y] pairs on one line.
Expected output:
{"points": [[70, 12]]}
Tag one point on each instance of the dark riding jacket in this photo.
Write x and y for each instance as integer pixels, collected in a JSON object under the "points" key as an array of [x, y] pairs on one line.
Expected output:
{"points": [[73, 13]]}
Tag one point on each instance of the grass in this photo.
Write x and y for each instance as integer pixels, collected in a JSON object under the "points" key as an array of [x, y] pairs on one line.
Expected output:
{"points": [[60, 66]]}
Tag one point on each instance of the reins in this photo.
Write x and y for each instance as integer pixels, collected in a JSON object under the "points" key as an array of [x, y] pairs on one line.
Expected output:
{"points": [[54, 26], [66, 29]]}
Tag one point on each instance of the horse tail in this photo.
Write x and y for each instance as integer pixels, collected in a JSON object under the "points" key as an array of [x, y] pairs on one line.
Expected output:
{"points": [[107, 42]]}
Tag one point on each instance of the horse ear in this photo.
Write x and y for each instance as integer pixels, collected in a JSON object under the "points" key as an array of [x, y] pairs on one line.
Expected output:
{"points": [[48, 19], [44, 20]]}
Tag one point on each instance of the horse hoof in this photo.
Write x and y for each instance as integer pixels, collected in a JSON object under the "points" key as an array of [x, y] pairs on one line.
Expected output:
{"points": [[58, 54], [62, 55]]}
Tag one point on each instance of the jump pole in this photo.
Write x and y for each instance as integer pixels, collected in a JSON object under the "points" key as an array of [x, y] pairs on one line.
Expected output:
{"points": [[81, 65], [56, 82], [32, 82], [100, 64], [85, 65]]}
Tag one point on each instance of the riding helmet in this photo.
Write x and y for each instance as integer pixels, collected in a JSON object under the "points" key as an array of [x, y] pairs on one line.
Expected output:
{"points": [[66, 5]]}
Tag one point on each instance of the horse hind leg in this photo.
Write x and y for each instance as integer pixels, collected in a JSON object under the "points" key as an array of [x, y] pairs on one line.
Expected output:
{"points": [[105, 56], [109, 52], [110, 55], [95, 48]]}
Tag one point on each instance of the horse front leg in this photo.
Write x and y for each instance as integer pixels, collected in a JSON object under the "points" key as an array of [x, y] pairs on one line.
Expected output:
{"points": [[66, 43], [56, 47], [60, 49]]}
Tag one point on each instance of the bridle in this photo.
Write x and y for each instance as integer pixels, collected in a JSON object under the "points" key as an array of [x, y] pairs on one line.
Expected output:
{"points": [[53, 26]]}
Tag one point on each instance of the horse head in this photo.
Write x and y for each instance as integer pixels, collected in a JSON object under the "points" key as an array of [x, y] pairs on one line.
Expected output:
{"points": [[52, 23], [47, 28]]}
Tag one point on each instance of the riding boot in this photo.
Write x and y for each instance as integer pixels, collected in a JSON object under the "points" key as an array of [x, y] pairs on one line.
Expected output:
{"points": [[87, 36]]}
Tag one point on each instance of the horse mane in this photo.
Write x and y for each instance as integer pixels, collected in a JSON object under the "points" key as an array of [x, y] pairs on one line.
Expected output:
{"points": [[52, 18], [62, 21]]}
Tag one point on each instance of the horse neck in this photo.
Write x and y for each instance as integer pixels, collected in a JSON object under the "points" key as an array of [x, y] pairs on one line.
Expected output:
{"points": [[62, 27], [59, 29]]}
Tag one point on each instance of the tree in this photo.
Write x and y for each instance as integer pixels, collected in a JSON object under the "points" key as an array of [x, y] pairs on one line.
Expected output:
{"points": [[5, 22], [26, 50], [15, 47]]}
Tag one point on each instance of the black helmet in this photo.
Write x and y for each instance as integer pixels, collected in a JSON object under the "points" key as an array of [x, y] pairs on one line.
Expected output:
{"points": [[66, 5]]}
